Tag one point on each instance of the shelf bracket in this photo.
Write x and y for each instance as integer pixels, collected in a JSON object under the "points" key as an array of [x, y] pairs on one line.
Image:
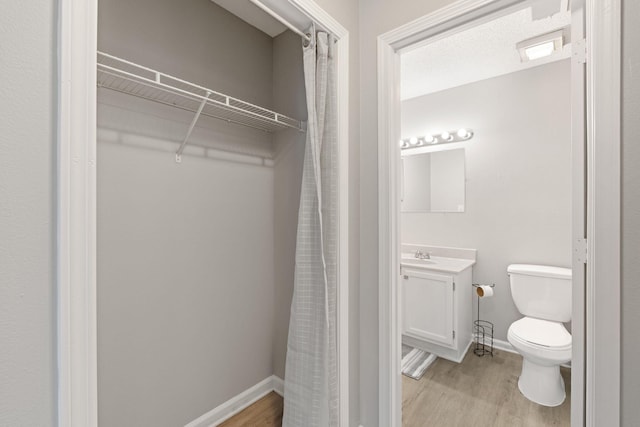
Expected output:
{"points": [[193, 125]]}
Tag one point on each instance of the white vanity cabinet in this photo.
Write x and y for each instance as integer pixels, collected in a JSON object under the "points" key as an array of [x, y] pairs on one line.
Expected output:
{"points": [[436, 307], [432, 321]]}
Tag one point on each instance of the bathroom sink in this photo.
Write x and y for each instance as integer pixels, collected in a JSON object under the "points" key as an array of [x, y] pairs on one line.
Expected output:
{"points": [[411, 259], [435, 263], [419, 261]]}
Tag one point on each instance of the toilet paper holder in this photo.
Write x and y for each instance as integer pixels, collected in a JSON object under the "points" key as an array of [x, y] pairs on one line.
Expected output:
{"points": [[482, 329]]}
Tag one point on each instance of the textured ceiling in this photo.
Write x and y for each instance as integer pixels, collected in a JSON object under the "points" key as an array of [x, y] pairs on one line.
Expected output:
{"points": [[484, 51]]}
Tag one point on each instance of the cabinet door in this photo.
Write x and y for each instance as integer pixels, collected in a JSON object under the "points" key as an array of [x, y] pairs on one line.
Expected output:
{"points": [[428, 307]]}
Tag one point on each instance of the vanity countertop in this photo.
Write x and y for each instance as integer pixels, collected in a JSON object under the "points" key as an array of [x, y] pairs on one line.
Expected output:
{"points": [[436, 263]]}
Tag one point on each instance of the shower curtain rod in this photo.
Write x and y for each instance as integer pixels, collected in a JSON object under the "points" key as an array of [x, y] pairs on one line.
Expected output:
{"points": [[283, 21]]}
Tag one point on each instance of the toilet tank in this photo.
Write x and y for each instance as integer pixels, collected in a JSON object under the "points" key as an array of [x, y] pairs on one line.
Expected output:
{"points": [[541, 291]]}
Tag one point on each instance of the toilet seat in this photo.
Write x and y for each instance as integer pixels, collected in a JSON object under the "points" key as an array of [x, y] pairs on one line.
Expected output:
{"points": [[541, 334], [547, 343]]}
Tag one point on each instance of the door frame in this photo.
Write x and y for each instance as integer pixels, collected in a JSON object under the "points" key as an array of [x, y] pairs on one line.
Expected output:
{"points": [[77, 381], [596, 242]]}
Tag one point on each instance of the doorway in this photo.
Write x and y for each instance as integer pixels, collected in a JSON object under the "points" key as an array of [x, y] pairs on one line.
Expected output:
{"points": [[592, 28], [496, 184]]}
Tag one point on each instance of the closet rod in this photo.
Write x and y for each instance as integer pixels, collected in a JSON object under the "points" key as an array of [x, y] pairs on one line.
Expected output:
{"points": [[283, 21]]}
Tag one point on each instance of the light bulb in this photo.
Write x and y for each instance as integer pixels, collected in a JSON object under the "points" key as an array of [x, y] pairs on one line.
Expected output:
{"points": [[413, 140], [430, 139], [401, 143], [463, 133], [446, 136], [539, 51]]}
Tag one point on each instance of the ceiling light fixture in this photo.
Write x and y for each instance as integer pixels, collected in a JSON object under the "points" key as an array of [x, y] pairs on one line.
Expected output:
{"points": [[540, 46]]}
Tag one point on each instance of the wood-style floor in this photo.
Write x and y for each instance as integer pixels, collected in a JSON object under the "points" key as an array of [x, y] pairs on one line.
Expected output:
{"points": [[265, 412], [479, 392]]}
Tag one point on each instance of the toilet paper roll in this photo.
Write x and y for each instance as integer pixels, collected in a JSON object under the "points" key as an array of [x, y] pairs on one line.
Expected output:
{"points": [[484, 291]]}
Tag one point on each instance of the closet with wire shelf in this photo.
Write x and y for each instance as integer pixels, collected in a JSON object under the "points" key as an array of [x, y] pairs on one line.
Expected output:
{"points": [[127, 77], [201, 127]]}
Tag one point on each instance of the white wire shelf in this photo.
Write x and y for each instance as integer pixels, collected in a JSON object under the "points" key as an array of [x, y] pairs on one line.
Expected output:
{"points": [[127, 77]]}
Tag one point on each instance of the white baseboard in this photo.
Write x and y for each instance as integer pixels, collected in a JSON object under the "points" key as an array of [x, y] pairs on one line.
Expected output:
{"points": [[501, 345], [239, 402], [506, 346], [278, 385]]}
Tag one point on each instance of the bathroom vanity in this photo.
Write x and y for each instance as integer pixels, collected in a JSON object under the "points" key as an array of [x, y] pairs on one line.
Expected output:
{"points": [[436, 296]]}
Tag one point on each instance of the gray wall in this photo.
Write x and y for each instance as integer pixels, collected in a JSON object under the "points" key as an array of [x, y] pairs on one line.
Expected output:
{"points": [[288, 98], [195, 40], [518, 173], [630, 213], [27, 205], [185, 265], [182, 321]]}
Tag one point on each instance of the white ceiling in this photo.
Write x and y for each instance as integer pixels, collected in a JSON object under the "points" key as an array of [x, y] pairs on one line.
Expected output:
{"points": [[484, 51]]}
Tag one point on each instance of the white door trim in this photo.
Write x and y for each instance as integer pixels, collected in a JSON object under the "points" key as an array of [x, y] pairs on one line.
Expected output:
{"points": [[603, 27], [76, 215], [76, 209], [579, 214], [600, 404]]}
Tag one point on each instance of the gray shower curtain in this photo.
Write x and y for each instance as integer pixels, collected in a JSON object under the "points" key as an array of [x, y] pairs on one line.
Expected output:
{"points": [[311, 375]]}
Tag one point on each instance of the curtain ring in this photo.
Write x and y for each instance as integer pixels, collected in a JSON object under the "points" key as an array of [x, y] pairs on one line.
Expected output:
{"points": [[307, 41]]}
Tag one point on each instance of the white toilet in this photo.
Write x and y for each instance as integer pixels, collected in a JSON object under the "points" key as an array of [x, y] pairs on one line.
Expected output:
{"points": [[543, 295]]}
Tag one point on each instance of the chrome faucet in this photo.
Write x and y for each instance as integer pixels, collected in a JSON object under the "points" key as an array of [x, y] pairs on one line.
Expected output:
{"points": [[422, 255]]}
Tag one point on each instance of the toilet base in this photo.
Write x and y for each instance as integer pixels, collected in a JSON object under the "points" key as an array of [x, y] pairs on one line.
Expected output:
{"points": [[541, 384]]}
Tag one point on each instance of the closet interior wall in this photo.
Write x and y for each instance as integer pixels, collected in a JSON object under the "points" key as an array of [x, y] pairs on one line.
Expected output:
{"points": [[195, 260]]}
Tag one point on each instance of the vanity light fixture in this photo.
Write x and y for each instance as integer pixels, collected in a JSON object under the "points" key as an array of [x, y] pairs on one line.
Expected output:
{"points": [[540, 46], [463, 133], [460, 135]]}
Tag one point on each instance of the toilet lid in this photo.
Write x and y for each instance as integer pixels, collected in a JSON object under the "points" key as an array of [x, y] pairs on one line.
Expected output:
{"points": [[542, 332]]}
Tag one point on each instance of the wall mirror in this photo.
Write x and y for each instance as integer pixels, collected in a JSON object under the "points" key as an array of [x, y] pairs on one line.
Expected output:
{"points": [[433, 182]]}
